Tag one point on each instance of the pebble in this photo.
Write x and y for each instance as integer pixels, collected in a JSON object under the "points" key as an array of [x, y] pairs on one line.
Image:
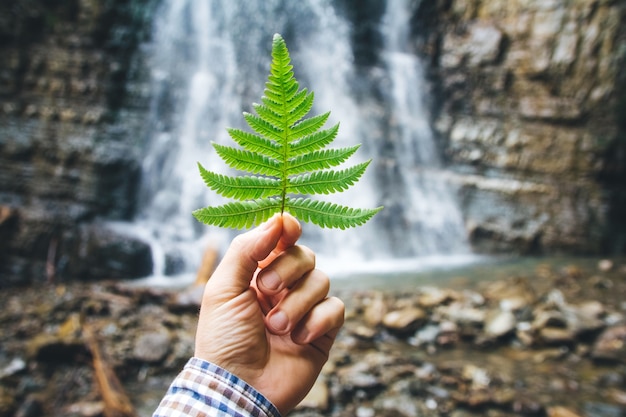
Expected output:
{"points": [[375, 310], [427, 334], [429, 297], [605, 265], [561, 412], [365, 412], [499, 323], [16, 365], [611, 345], [617, 396], [556, 335], [405, 320], [152, 347], [318, 398], [86, 409]]}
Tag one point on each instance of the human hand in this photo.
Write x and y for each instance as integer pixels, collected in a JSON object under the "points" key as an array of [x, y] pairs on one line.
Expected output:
{"points": [[266, 315]]}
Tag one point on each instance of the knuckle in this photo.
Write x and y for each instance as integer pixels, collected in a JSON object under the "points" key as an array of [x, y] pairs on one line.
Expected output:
{"points": [[307, 253], [340, 308], [238, 242], [322, 281]]}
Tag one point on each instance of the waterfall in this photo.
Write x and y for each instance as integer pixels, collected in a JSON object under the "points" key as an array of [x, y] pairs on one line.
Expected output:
{"points": [[430, 212], [209, 61]]}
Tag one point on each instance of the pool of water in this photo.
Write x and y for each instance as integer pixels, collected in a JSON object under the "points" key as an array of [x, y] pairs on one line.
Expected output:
{"points": [[464, 272]]}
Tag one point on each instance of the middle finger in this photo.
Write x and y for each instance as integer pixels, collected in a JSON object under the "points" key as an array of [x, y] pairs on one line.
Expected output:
{"points": [[297, 302], [284, 271]]}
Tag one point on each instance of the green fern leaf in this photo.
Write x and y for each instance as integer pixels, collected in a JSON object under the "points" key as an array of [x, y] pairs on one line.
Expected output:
{"points": [[308, 126], [241, 188], [313, 142], [248, 161], [327, 214], [287, 157], [326, 182], [239, 214], [264, 128], [255, 143], [326, 158]]}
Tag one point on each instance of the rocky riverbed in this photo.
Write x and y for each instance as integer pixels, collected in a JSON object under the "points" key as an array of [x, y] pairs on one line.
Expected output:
{"points": [[550, 342]]}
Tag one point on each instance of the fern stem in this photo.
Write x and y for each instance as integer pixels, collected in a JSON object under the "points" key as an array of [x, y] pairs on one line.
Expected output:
{"points": [[286, 74]]}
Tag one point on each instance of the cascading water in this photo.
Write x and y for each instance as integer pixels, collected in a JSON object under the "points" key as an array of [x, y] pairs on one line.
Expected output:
{"points": [[429, 207], [209, 62]]}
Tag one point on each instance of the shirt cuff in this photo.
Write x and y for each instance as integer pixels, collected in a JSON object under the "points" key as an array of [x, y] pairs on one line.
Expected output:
{"points": [[205, 389]]}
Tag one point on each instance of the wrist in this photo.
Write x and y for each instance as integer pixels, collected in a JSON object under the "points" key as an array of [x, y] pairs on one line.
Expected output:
{"points": [[237, 394]]}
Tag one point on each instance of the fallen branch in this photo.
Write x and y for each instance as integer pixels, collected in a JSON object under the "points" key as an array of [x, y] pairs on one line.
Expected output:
{"points": [[209, 261], [116, 402]]}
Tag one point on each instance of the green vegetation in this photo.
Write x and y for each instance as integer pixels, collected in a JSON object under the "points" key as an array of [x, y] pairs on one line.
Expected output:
{"points": [[287, 156]]}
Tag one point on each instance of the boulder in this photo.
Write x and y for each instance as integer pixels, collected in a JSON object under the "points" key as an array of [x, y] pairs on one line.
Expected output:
{"points": [[106, 252]]}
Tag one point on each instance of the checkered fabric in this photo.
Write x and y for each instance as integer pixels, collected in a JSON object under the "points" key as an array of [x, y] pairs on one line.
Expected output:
{"points": [[203, 389]]}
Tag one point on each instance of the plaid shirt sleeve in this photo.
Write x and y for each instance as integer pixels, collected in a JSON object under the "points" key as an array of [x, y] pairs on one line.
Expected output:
{"points": [[203, 389]]}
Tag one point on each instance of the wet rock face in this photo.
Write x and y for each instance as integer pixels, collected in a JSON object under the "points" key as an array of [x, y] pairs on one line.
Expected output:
{"points": [[69, 134], [530, 109], [102, 252]]}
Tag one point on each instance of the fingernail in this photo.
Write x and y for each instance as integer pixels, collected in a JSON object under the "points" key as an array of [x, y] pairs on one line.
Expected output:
{"points": [[270, 280], [279, 321]]}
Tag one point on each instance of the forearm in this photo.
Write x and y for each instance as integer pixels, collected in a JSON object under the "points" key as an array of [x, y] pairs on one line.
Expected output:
{"points": [[205, 389]]}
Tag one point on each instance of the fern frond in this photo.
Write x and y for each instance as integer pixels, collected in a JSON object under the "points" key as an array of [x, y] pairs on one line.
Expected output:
{"points": [[241, 188], [256, 143], [274, 101], [248, 161], [327, 214], [301, 98], [286, 154], [268, 113], [308, 126], [326, 158], [326, 182], [313, 142], [239, 214], [264, 127], [299, 107]]}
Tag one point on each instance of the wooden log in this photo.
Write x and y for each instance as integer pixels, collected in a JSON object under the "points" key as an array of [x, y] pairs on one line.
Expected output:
{"points": [[209, 262], [116, 402]]}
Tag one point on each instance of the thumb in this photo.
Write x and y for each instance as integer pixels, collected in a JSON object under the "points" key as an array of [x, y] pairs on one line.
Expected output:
{"points": [[234, 273]]}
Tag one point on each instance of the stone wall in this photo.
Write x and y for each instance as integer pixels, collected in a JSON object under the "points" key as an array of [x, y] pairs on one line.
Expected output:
{"points": [[69, 138], [531, 113]]}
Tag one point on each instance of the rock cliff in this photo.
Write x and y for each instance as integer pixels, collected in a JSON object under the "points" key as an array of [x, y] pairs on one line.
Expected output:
{"points": [[69, 138], [531, 116]]}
